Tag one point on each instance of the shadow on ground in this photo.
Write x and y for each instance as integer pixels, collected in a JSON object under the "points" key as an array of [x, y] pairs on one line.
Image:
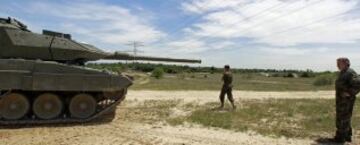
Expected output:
{"points": [[329, 141]]}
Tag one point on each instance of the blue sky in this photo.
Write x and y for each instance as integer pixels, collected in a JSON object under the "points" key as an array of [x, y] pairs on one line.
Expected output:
{"points": [[292, 34]]}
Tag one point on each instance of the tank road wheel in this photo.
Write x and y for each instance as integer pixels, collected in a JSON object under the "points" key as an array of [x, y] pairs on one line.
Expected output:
{"points": [[47, 106], [82, 106], [14, 106]]}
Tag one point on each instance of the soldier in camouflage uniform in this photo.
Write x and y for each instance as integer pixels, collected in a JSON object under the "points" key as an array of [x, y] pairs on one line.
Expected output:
{"points": [[345, 99], [226, 89]]}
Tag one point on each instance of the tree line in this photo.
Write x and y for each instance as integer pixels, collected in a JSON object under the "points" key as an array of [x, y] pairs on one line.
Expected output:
{"points": [[174, 69]]}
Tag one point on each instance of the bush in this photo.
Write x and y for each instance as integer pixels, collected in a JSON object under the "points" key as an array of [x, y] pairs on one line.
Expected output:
{"points": [[158, 73], [275, 75], [289, 75], [212, 70], [324, 80], [307, 74]]}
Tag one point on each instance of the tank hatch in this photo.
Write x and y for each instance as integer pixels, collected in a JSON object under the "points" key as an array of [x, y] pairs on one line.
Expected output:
{"points": [[57, 34]]}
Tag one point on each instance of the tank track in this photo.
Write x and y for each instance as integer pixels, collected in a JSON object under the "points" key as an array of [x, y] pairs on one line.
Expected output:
{"points": [[30, 121]]}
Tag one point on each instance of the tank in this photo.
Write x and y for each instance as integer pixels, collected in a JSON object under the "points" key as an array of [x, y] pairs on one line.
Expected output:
{"points": [[43, 78]]}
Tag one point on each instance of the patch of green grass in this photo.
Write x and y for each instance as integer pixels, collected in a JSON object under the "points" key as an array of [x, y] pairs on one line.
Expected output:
{"points": [[248, 81], [285, 117]]}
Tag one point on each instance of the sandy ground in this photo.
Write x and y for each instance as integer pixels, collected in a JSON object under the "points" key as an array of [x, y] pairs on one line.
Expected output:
{"points": [[120, 132]]}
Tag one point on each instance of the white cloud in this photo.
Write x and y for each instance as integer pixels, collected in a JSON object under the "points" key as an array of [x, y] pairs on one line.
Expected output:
{"points": [[187, 46], [193, 45], [245, 20], [221, 45], [293, 51], [107, 23], [203, 6], [319, 59]]}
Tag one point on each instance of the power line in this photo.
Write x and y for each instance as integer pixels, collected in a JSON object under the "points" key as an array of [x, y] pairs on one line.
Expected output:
{"points": [[198, 17], [281, 16], [186, 22], [307, 24], [274, 7], [277, 6], [253, 16], [280, 5]]}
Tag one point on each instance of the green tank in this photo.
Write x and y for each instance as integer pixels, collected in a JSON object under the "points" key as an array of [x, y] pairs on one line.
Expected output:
{"points": [[43, 78]]}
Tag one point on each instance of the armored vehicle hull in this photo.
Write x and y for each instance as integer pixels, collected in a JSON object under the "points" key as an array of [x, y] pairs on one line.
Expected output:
{"points": [[49, 92]]}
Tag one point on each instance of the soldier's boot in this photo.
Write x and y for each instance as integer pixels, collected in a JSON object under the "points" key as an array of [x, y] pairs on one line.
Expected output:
{"points": [[233, 105], [349, 136], [333, 140], [348, 139], [339, 138], [221, 105]]}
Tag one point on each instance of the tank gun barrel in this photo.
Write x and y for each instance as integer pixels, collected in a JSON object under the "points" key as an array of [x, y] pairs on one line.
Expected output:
{"points": [[126, 56]]}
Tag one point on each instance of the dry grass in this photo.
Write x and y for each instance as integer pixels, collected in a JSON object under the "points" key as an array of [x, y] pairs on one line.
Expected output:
{"points": [[276, 117], [249, 82], [299, 118]]}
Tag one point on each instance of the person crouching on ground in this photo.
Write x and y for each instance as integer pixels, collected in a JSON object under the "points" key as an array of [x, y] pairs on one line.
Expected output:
{"points": [[226, 89]]}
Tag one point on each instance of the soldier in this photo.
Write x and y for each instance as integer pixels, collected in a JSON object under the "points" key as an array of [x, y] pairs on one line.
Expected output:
{"points": [[226, 89], [345, 99]]}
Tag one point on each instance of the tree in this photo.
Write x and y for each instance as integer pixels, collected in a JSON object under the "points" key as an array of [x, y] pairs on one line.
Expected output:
{"points": [[212, 70], [158, 73]]}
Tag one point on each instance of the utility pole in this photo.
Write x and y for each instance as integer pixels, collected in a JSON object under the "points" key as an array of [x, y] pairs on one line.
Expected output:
{"points": [[135, 45]]}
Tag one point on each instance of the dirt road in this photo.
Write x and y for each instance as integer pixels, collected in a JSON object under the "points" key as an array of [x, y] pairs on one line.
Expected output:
{"points": [[121, 132], [211, 96]]}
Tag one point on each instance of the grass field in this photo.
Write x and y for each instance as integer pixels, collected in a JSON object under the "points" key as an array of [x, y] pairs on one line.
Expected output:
{"points": [[299, 118], [290, 118], [251, 82]]}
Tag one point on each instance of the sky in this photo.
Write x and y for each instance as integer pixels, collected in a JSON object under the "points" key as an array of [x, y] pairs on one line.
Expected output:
{"points": [[267, 34]]}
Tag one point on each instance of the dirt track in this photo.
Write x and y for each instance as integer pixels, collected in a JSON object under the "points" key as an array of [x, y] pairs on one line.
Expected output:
{"points": [[133, 133]]}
